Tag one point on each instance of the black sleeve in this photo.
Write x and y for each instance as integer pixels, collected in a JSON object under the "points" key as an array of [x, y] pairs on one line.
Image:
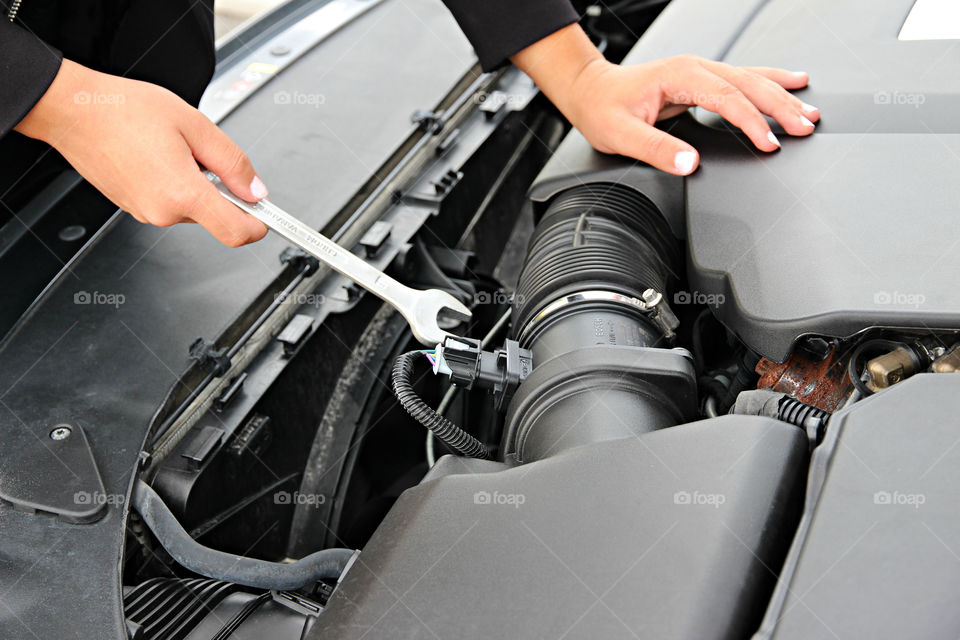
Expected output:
{"points": [[497, 29], [27, 67]]}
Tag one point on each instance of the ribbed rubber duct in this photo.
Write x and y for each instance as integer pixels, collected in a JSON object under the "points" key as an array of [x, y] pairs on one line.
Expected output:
{"points": [[593, 254], [595, 238]]}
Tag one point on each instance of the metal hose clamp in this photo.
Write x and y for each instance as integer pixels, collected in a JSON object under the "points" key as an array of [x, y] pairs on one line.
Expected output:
{"points": [[653, 305]]}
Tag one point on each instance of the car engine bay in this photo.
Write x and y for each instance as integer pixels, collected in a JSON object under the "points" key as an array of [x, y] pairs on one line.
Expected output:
{"points": [[609, 392]]}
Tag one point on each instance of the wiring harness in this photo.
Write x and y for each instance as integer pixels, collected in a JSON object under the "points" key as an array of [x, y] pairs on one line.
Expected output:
{"points": [[449, 433]]}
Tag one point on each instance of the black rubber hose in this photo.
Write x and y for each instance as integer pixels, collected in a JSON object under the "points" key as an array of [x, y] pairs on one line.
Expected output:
{"points": [[327, 564], [448, 433]]}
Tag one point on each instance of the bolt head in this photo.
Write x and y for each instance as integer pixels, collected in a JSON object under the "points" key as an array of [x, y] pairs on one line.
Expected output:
{"points": [[650, 296], [61, 432]]}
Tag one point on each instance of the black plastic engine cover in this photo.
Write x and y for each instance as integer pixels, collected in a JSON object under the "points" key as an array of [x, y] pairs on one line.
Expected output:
{"points": [[673, 534], [878, 555], [851, 228]]}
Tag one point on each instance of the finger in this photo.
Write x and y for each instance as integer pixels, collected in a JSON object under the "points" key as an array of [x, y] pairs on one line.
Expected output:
{"points": [[784, 78], [696, 85], [768, 96], [224, 220], [216, 151], [639, 140], [789, 80]]}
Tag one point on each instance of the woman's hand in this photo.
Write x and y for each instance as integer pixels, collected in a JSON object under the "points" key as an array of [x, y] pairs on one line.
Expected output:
{"points": [[615, 107], [139, 144]]}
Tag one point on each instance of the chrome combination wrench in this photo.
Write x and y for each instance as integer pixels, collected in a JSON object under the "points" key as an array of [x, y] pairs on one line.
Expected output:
{"points": [[421, 308]]}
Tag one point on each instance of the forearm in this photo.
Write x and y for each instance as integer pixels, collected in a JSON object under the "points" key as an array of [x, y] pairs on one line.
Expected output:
{"points": [[555, 62], [56, 110]]}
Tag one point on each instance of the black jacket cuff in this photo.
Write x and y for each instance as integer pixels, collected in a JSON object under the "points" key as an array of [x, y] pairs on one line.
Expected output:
{"points": [[27, 67], [497, 29]]}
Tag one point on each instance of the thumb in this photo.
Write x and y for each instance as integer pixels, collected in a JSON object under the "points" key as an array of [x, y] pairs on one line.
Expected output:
{"points": [[657, 148], [214, 149]]}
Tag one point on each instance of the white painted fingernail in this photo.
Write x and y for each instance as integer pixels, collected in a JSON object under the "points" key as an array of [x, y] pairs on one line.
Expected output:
{"points": [[800, 74], [805, 122], [809, 108], [257, 188], [772, 138], [684, 161]]}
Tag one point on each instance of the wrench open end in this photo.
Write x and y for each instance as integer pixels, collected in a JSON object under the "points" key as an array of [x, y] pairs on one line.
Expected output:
{"points": [[428, 307]]}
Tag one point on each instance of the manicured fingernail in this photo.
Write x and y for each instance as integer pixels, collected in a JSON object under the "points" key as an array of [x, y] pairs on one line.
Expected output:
{"points": [[805, 122], [257, 188], [800, 74], [772, 138], [809, 108], [684, 161]]}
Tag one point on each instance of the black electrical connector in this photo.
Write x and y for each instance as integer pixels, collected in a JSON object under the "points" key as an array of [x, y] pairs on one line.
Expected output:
{"points": [[500, 371]]}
